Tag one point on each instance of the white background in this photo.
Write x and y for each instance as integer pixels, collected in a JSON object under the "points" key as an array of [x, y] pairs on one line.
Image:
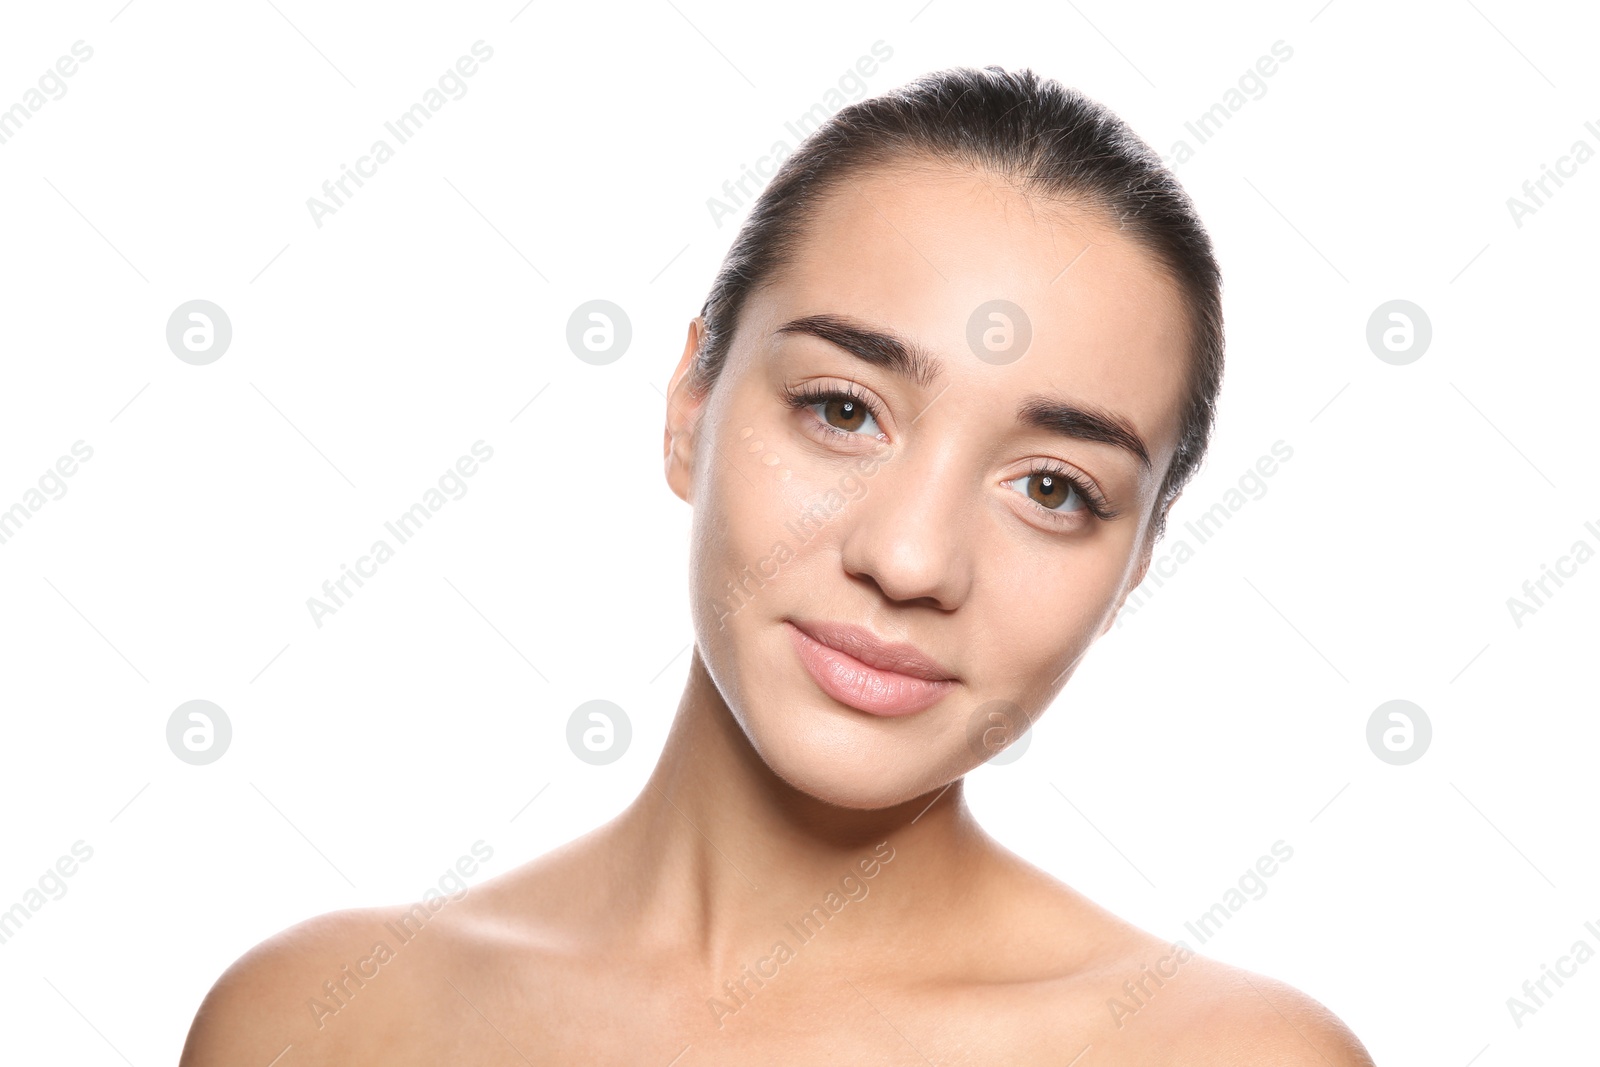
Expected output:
{"points": [[1227, 713]]}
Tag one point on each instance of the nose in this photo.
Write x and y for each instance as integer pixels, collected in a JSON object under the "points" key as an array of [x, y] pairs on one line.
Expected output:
{"points": [[911, 533]]}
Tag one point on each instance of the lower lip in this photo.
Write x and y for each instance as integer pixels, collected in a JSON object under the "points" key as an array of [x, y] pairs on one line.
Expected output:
{"points": [[849, 681]]}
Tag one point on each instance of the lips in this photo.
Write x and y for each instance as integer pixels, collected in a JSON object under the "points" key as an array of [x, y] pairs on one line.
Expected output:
{"points": [[855, 668]]}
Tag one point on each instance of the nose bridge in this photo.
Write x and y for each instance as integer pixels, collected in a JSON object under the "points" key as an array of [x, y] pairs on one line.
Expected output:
{"points": [[911, 530]]}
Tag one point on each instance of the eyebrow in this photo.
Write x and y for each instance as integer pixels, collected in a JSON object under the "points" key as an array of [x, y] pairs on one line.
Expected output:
{"points": [[877, 347], [883, 349]]}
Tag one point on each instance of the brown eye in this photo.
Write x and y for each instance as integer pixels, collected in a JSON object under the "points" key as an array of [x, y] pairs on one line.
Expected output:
{"points": [[845, 413], [1050, 490], [838, 412]]}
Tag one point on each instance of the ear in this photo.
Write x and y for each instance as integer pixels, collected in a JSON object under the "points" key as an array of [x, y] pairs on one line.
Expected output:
{"points": [[1145, 556], [683, 416]]}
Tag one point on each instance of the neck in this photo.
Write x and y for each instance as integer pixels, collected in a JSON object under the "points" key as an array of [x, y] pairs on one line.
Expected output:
{"points": [[722, 852]]}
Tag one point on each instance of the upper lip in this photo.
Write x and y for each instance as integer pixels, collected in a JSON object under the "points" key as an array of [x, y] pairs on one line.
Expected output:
{"points": [[874, 651]]}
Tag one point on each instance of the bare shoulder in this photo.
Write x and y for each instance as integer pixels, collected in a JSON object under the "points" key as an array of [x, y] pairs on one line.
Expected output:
{"points": [[1201, 1012], [258, 1008], [1243, 1017], [1139, 998], [326, 987], [375, 985]]}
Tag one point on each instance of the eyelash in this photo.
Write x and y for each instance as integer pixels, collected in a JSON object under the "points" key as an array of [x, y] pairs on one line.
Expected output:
{"points": [[1097, 504], [810, 395]]}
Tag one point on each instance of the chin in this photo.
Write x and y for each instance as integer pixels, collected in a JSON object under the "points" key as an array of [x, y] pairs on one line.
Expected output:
{"points": [[864, 777], [854, 760]]}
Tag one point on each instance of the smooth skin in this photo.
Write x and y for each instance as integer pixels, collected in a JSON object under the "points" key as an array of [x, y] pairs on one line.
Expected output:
{"points": [[655, 939]]}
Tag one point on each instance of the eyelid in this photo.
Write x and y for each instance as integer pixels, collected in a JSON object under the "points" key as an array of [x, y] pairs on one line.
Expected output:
{"points": [[1095, 502], [820, 391]]}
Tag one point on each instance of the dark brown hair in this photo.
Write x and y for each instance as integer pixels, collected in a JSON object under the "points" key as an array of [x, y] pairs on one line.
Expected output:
{"points": [[1044, 138]]}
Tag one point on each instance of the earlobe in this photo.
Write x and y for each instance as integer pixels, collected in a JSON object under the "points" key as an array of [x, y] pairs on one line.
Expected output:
{"points": [[683, 412]]}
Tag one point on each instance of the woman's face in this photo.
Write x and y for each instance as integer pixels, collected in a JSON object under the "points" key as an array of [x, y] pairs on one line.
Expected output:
{"points": [[888, 448]]}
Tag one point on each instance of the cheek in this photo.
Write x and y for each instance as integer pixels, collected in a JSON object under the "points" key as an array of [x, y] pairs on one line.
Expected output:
{"points": [[1041, 609], [741, 544], [768, 500], [748, 508]]}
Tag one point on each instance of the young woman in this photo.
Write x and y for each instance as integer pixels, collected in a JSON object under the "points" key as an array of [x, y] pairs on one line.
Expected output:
{"points": [[960, 361]]}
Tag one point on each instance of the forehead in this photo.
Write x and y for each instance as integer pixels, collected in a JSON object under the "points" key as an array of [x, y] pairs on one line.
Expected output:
{"points": [[917, 249]]}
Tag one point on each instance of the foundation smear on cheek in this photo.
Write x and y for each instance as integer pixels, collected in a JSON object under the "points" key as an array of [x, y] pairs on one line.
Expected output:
{"points": [[771, 459]]}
